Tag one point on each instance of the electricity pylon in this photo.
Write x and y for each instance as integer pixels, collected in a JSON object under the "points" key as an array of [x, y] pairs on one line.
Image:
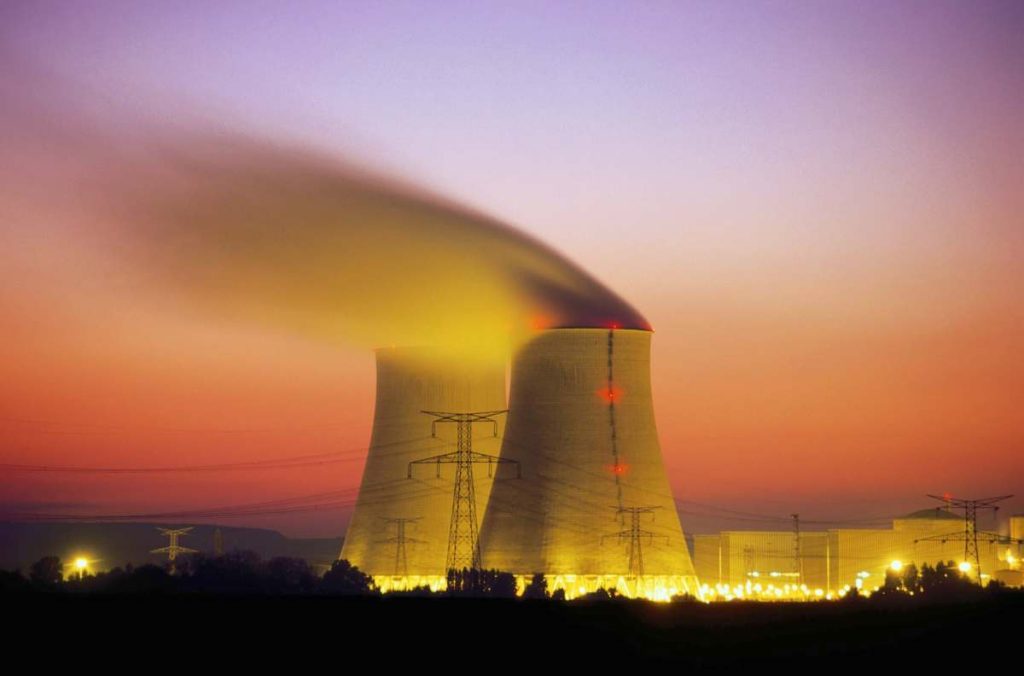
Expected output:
{"points": [[463, 545], [173, 548], [970, 533], [400, 540], [635, 535]]}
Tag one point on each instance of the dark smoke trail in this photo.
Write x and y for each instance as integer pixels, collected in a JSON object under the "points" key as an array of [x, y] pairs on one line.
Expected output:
{"points": [[253, 231]]}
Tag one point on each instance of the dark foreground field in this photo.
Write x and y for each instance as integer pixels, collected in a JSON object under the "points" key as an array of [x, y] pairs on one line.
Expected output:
{"points": [[490, 633]]}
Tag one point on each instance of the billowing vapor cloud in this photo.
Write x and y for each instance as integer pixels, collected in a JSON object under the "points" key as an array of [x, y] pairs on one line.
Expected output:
{"points": [[250, 230], [308, 244]]}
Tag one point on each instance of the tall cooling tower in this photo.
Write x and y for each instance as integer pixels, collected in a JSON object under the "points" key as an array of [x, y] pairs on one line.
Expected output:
{"points": [[393, 512], [593, 508]]}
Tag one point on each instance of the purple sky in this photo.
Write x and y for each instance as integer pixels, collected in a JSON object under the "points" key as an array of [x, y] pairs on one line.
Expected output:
{"points": [[770, 183]]}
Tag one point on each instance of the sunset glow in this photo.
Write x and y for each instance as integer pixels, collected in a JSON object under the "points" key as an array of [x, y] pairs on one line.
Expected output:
{"points": [[819, 208]]}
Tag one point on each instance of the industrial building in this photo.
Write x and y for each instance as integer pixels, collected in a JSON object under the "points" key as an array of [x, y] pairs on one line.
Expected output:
{"points": [[573, 485], [788, 564]]}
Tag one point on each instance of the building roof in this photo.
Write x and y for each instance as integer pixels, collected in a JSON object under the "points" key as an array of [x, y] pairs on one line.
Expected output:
{"points": [[933, 513]]}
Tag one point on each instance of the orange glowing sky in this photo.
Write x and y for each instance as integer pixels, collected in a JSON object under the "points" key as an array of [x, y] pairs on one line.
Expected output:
{"points": [[820, 212]]}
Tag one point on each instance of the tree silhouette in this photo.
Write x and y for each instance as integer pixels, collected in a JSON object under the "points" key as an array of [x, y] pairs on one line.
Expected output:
{"points": [[12, 581], [238, 571], [927, 577], [893, 585], [422, 591], [944, 581], [145, 579], [538, 587], [685, 597], [911, 578], [344, 578], [476, 582], [289, 575], [600, 594], [47, 571], [852, 596]]}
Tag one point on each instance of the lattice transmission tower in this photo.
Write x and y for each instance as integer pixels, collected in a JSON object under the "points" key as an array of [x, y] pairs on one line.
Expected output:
{"points": [[400, 540], [970, 533], [173, 548], [463, 542], [635, 535]]}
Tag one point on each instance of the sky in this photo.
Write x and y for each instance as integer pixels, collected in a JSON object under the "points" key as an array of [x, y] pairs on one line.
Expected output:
{"points": [[819, 207]]}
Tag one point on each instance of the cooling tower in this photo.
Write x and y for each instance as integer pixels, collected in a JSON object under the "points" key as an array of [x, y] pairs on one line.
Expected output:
{"points": [[593, 508], [399, 529]]}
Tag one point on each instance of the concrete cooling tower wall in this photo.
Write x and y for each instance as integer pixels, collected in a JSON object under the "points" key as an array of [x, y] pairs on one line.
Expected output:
{"points": [[410, 380], [594, 507]]}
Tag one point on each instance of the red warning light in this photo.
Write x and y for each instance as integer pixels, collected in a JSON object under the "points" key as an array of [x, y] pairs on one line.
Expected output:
{"points": [[618, 469], [541, 322], [613, 325], [610, 394]]}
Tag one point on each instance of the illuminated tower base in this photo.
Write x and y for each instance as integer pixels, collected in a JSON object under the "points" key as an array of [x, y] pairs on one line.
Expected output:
{"points": [[409, 381], [594, 507]]}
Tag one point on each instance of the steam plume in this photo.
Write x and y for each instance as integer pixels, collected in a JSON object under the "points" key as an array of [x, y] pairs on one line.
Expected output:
{"points": [[254, 231]]}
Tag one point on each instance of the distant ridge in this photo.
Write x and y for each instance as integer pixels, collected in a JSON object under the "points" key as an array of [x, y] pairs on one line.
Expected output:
{"points": [[115, 544]]}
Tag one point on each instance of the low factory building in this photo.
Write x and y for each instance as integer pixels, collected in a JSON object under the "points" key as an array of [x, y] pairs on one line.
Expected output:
{"points": [[829, 563]]}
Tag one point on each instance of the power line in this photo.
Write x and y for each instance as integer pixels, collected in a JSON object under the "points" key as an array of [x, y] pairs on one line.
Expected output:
{"points": [[741, 515], [332, 499], [969, 536], [326, 458], [463, 542], [350, 455], [100, 427], [282, 463]]}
